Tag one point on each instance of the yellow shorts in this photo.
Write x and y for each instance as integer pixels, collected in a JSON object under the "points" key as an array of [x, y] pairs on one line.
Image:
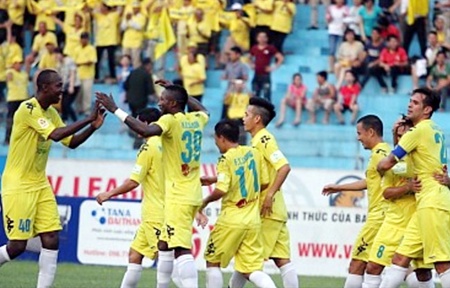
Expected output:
{"points": [[146, 239], [385, 244], [364, 241], [178, 220], [27, 214], [244, 245], [427, 236], [276, 240]]}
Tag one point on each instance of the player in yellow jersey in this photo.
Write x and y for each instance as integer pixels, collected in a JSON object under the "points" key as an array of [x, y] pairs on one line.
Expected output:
{"points": [[427, 235], [28, 202], [273, 209], [399, 186], [241, 174], [369, 129], [181, 134], [148, 172]]}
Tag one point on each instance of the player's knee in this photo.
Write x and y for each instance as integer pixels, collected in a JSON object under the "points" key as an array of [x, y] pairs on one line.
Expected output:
{"points": [[179, 251], [163, 246], [374, 269], [401, 260], [281, 262], [423, 275], [441, 267], [50, 240], [16, 247], [134, 257], [357, 267]]}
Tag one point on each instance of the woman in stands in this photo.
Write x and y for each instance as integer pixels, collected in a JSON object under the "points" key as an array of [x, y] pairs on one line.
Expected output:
{"points": [[295, 98], [347, 98]]}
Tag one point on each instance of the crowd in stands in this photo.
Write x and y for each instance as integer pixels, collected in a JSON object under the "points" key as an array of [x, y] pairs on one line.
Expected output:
{"points": [[367, 39]]}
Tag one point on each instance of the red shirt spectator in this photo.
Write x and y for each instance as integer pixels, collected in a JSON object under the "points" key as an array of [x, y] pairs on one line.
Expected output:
{"points": [[390, 30], [393, 57], [348, 92], [263, 56]]}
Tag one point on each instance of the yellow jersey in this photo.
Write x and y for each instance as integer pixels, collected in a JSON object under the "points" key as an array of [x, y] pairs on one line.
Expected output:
{"points": [[17, 86], [399, 210], [148, 172], [14, 51], [274, 159], [211, 9], [107, 28], [86, 54], [192, 72], [282, 19], [3, 59], [264, 18], [193, 31], [43, 10], [134, 36], [240, 173], [182, 141], [377, 203], [425, 143], [200, 59], [29, 148], [40, 40], [240, 32], [16, 11], [48, 61], [73, 43], [237, 104]]}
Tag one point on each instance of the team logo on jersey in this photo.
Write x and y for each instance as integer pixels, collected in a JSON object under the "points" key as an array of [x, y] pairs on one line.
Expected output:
{"points": [[362, 247], [210, 249], [43, 123], [144, 147], [265, 140], [9, 224], [170, 231], [157, 232], [347, 198], [30, 107]]}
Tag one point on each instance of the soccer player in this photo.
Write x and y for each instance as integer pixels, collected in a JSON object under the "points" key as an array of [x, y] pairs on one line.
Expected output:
{"points": [[370, 133], [399, 186], [241, 173], [181, 135], [427, 235], [148, 172], [273, 209], [29, 205]]}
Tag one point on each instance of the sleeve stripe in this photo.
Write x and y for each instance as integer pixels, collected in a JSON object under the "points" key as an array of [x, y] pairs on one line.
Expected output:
{"points": [[399, 152]]}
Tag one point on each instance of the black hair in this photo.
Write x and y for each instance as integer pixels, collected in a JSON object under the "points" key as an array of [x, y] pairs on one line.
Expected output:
{"points": [[264, 108], [441, 52], [126, 56], [390, 36], [295, 75], [383, 21], [355, 76], [179, 94], [323, 74], [349, 30], [45, 77], [228, 129], [378, 29], [84, 35], [432, 98], [149, 115], [372, 121], [146, 61], [236, 49], [432, 32]]}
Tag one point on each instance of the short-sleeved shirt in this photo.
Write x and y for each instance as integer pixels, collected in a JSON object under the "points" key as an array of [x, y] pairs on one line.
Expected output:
{"points": [[263, 57], [390, 30], [370, 18], [107, 32], [148, 172], [237, 105], [373, 51], [193, 72], [29, 148], [48, 61], [337, 26], [240, 173], [133, 37], [235, 70], [282, 19], [425, 144], [182, 141], [348, 92], [86, 54], [350, 51], [40, 40], [263, 18], [267, 145], [16, 11], [18, 86], [440, 72], [392, 58], [72, 40]]}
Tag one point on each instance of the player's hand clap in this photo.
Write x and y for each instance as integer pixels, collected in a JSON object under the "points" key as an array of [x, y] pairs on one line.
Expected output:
{"points": [[201, 219], [266, 208], [414, 185], [102, 197], [208, 180], [106, 101], [330, 189], [99, 115]]}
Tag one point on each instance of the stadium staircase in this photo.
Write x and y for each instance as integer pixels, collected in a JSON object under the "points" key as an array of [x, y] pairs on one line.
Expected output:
{"points": [[330, 146]]}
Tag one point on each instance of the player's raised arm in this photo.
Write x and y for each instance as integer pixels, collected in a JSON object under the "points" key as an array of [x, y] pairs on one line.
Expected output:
{"points": [[196, 105], [126, 187], [137, 126], [354, 186]]}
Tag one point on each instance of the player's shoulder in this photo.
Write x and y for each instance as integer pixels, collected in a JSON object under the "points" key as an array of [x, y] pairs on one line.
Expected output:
{"points": [[263, 138], [383, 149], [198, 115], [28, 106]]}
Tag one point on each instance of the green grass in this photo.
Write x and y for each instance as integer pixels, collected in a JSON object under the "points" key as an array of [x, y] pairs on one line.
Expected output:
{"points": [[24, 274]]}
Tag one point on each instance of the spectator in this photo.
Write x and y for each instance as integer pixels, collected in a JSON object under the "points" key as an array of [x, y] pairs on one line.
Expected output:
{"points": [[262, 54], [199, 32], [443, 34], [353, 18], [106, 38], [133, 35], [393, 61], [234, 68], [185, 13], [264, 18], [295, 98], [11, 49], [387, 28], [239, 32], [192, 49], [237, 100], [43, 10], [16, 12], [335, 17], [67, 69], [369, 15], [283, 17], [416, 13], [314, 12], [193, 74], [347, 98], [443, 9], [73, 33], [350, 55], [152, 11], [17, 83], [122, 73], [429, 61], [439, 78], [211, 11], [85, 59], [373, 49], [323, 97], [40, 40], [49, 59]]}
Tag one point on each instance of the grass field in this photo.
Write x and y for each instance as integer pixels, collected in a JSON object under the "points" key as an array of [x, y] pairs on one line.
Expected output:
{"points": [[23, 274]]}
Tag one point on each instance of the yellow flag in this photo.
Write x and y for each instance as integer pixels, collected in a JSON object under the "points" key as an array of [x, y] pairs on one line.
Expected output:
{"points": [[166, 37]]}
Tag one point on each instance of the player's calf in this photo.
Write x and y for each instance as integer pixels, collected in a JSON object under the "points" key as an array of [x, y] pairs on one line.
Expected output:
{"points": [[372, 278], [287, 271], [134, 270], [260, 279], [214, 277]]}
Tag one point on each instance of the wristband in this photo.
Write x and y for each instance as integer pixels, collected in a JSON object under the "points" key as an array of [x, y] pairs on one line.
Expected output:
{"points": [[122, 115]]}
